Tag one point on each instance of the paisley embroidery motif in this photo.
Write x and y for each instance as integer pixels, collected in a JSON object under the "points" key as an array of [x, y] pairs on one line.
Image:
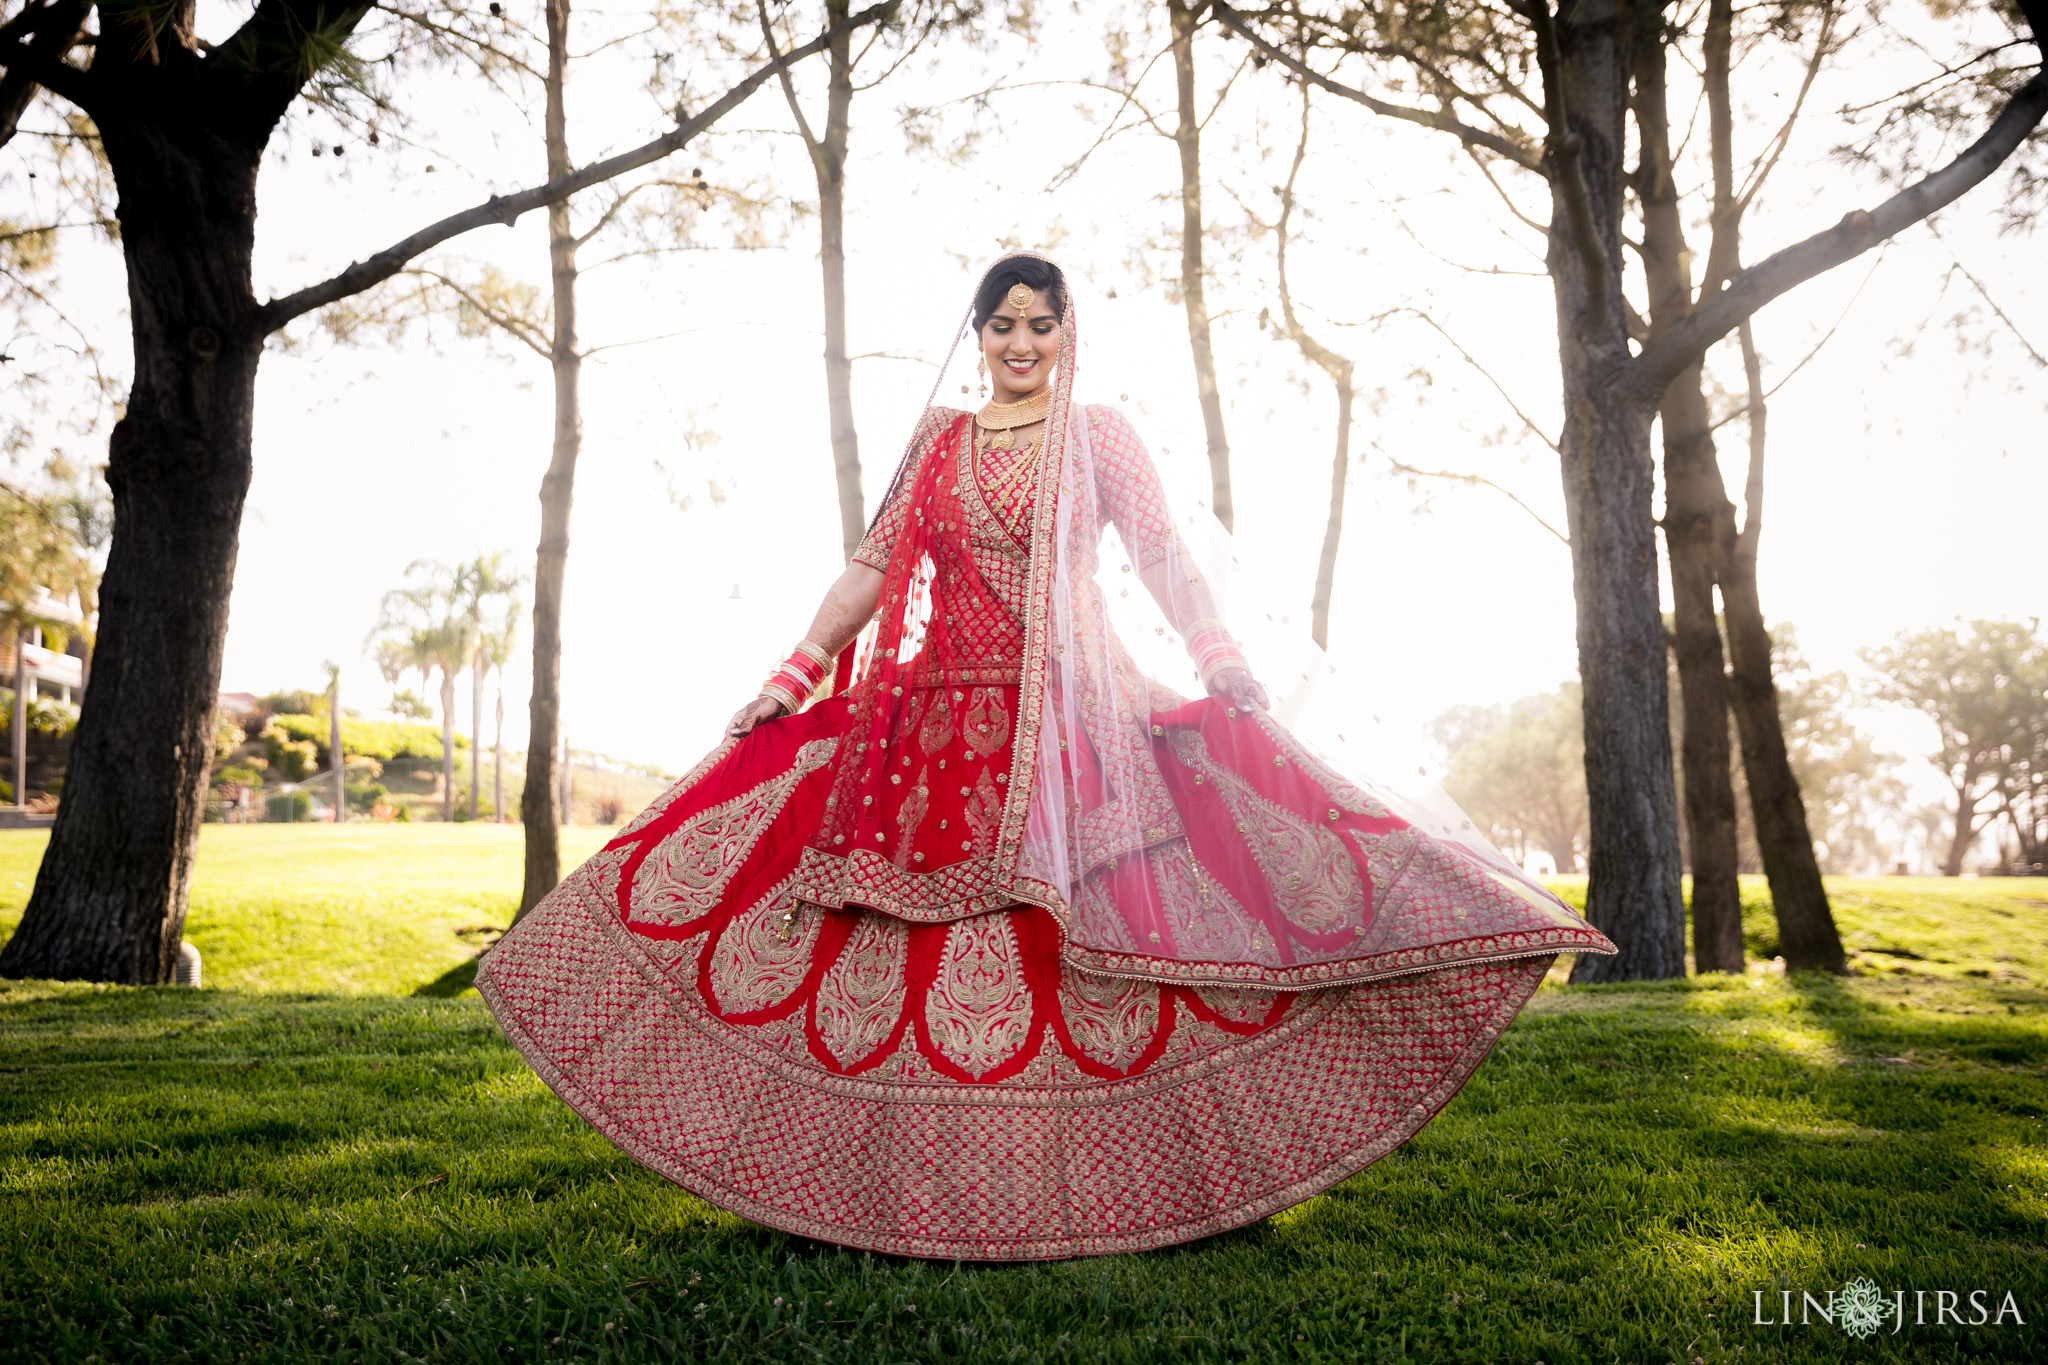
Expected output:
{"points": [[684, 877], [909, 816], [1110, 1019], [988, 721], [984, 811], [752, 968], [937, 730], [1206, 920], [979, 1008], [861, 996]]}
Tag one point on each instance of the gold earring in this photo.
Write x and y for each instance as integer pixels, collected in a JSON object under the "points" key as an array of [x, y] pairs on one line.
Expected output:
{"points": [[981, 367]]}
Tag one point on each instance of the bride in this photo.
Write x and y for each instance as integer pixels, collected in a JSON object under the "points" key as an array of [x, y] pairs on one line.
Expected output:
{"points": [[974, 941]]}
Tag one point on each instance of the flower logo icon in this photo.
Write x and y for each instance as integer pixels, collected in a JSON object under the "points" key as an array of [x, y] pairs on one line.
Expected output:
{"points": [[1860, 1307]]}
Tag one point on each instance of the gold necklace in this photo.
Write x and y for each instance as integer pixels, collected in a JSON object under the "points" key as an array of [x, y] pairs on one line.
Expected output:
{"points": [[1023, 412]]}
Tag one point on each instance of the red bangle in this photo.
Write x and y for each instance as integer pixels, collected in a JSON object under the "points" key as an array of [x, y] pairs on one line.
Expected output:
{"points": [[793, 682]]}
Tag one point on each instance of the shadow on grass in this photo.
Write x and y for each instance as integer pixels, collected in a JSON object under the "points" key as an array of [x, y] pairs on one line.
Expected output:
{"points": [[453, 982]]}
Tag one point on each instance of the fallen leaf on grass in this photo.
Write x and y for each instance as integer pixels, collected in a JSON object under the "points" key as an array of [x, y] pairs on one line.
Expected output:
{"points": [[423, 1184]]}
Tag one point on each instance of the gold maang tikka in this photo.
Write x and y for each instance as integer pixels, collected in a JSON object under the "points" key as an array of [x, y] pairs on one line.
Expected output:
{"points": [[1021, 298]]}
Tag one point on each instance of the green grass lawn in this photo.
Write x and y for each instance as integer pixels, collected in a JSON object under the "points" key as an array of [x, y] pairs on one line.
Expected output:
{"points": [[311, 1160]]}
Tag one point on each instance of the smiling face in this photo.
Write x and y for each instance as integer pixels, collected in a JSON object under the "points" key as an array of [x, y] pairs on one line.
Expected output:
{"points": [[1021, 352]]}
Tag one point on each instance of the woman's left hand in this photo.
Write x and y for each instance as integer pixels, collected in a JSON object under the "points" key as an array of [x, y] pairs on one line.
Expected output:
{"points": [[1240, 689]]}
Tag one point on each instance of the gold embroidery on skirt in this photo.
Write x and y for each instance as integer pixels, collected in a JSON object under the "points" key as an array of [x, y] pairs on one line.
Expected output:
{"points": [[937, 730], [754, 966], [862, 995], [687, 873], [988, 721], [1108, 1018], [979, 1007], [909, 816]]}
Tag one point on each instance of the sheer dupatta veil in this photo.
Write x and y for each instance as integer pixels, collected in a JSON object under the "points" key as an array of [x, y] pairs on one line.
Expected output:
{"points": [[1172, 838]]}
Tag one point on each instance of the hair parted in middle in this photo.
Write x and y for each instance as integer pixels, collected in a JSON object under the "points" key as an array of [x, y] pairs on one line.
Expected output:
{"points": [[1040, 277]]}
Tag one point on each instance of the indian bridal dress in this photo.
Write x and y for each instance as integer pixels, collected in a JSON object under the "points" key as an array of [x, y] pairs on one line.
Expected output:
{"points": [[1004, 949]]}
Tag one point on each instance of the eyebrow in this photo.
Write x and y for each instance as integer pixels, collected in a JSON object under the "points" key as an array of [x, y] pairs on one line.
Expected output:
{"points": [[1035, 317]]}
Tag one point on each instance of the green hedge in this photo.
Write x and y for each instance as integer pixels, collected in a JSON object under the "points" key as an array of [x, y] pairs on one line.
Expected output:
{"points": [[383, 740]]}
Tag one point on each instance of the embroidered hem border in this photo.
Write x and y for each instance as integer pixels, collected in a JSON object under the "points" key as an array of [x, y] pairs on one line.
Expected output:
{"points": [[622, 1087]]}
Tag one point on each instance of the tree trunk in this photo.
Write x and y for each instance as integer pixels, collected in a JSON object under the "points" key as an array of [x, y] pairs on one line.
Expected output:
{"points": [[1634, 891], [568, 783], [828, 158], [338, 768], [1187, 136], [1966, 823], [1694, 500], [109, 901], [498, 759], [557, 493], [447, 742], [19, 725], [476, 731], [1333, 529], [1806, 925]]}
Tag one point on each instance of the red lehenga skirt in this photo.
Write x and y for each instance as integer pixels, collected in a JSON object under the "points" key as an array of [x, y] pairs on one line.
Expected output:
{"points": [[955, 1089]]}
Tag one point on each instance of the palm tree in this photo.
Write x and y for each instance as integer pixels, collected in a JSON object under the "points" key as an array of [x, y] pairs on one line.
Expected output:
{"points": [[46, 560], [427, 627], [494, 651], [478, 584]]}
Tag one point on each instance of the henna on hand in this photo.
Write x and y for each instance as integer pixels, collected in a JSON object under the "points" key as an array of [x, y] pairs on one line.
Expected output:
{"points": [[1240, 689]]}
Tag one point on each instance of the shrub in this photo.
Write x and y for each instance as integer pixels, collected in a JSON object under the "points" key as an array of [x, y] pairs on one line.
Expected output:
{"points": [[227, 737], [51, 716], [403, 816], [288, 807], [241, 774], [383, 740], [296, 702], [295, 758], [365, 796]]}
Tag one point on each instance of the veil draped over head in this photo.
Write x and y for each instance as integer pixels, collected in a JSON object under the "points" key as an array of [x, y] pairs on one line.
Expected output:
{"points": [[1173, 838]]}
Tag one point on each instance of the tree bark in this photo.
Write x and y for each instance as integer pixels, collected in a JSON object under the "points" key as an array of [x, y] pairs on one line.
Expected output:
{"points": [[1187, 136], [557, 493], [1634, 890], [109, 901], [1694, 501]]}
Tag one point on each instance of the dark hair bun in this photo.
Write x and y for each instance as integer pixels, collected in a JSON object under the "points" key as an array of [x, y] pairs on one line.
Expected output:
{"points": [[1040, 277]]}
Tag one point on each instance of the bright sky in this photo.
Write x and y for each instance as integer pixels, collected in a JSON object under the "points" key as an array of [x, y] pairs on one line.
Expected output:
{"points": [[1893, 451]]}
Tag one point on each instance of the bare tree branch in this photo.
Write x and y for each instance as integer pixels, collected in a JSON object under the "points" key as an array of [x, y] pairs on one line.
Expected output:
{"points": [[1759, 393], [1485, 374], [33, 53], [1985, 294], [1661, 360], [1481, 481], [1440, 120], [517, 328], [796, 108], [507, 208]]}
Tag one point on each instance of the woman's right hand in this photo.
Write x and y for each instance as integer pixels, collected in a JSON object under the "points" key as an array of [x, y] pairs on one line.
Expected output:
{"points": [[753, 713]]}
